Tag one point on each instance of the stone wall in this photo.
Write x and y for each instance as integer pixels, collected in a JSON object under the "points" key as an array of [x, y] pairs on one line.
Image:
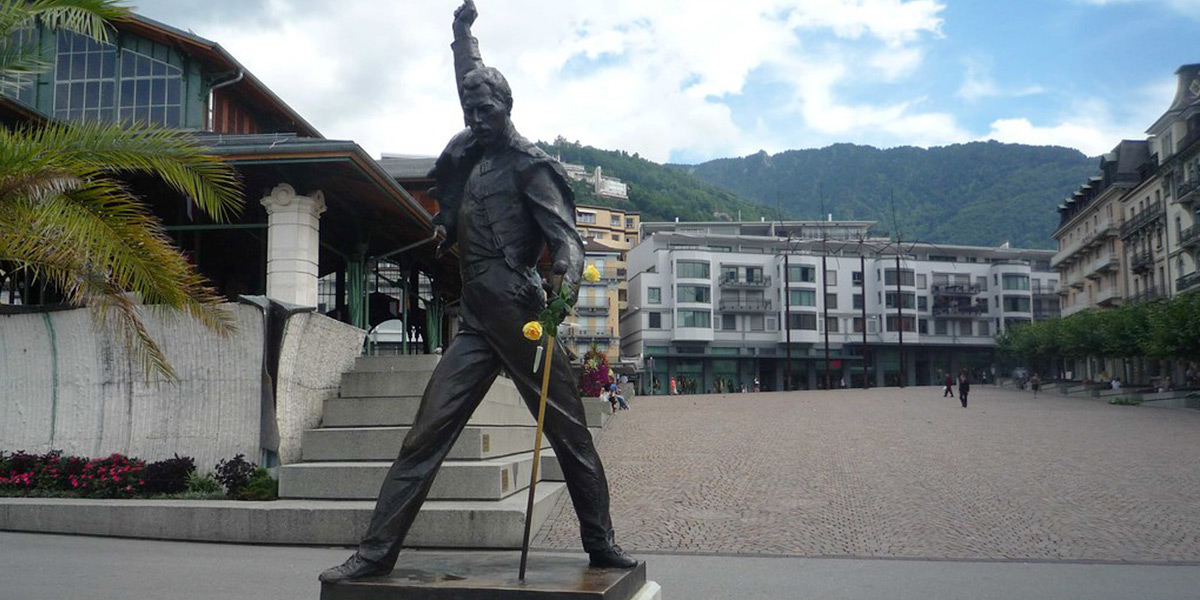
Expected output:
{"points": [[66, 385]]}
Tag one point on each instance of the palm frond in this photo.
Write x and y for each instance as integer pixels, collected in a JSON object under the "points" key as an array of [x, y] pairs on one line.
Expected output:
{"points": [[88, 17]]}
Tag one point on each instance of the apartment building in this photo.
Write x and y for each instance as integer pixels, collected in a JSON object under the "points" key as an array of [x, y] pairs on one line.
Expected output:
{"points": [[1132, 233], [608, 234], [718, 305]]}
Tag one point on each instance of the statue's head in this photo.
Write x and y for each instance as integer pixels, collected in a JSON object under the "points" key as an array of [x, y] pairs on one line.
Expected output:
{"points": [[487, 103]]}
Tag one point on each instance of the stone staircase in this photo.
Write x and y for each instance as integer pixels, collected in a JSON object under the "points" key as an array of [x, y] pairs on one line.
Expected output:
{"points": [[477, 501], [479, 497]]}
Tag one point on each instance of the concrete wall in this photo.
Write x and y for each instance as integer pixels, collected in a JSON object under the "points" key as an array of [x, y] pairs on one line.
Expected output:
{"points": [[66, 385], [316, 351]]}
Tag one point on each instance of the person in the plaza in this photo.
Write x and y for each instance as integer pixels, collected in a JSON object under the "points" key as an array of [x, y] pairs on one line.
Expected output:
{"points": [[949, 390], [507, 200], [964, 388], [1036, 384]]}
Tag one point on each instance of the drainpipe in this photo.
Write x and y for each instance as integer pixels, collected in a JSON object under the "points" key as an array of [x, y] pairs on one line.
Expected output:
{"points": [[208, 125]]}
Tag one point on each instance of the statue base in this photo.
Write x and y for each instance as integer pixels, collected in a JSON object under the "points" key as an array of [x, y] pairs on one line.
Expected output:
{"points": [[493, 576]]}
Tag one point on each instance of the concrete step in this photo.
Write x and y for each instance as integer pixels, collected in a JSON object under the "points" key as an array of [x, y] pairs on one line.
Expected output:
{"points": [[393, 384], [383, 443], [442, 524], [492, 479], [374, 412], [389, 364]]}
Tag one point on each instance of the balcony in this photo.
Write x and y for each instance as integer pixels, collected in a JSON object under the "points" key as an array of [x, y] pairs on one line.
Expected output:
{"points": [[1141, 262], [734, 305], [1190, 237], [594, 307], [1152, 216], [731, 281], [1188, 282], [1063, 289], [1105, 264], [588, 334], [1187, 191], [612, 273], [1108, 296], [964, 312], [1046, 291], [1075, 281], [955, 289], [1149, 295], [1098, 235], [1042, 314]]}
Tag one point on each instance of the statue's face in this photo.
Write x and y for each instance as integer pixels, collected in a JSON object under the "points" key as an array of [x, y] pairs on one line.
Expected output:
{"points": [[485, 114]]}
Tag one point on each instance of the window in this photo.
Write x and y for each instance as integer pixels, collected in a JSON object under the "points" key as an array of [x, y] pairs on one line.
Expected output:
{"points": [[729, 273], [907, 277], [939, 326], [729, 322], [692, 270], [614, 221], [802, 297], [856, 278], [923, 326], [806, 321], [151, 90], [615, 237], [756, 323], [585, 217], [754, 274], [831, 324], [858, 301], [628, 222], [655, 321], [693, 293], [654, 295], [922, 303], [85, 78], [908, 299], [896, 323], [802, 274], [695, 318], [858, 325], [921, 282], [982, 328], [20, 86], [1014, 281], [1016, 304], [831, 277], [831, 301]]}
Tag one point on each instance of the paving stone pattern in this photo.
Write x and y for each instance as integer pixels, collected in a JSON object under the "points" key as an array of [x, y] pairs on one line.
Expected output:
{"points": [[900, 473]]}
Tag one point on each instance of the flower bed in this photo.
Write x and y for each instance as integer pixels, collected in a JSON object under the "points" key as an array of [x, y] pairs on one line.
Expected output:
{"points": [[118, 476]]}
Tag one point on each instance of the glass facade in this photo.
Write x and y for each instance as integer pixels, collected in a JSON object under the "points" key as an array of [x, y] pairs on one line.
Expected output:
{"points": [[97, 81], [692, 270]]}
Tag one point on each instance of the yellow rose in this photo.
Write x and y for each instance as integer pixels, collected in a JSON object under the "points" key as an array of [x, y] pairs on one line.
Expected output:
{"points": [[532, 330], [591, 274]]}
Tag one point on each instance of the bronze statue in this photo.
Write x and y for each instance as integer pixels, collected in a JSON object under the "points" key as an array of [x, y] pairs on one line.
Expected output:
{"points": [[503, 200]]}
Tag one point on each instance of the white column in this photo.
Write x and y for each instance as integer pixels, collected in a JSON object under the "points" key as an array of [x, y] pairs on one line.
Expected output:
{"points": [[293, 244]]}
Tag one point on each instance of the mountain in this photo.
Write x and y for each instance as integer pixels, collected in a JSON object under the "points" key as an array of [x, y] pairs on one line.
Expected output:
{"points": [[981, 193], [659, 193]]}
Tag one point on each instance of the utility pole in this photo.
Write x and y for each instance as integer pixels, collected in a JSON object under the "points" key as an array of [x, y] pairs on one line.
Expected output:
{"points": [[866, 356], [787, 317], [899, 310], [825, 288]]}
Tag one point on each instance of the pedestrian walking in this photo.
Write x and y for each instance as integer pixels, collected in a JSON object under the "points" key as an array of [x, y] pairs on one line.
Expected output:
{"points": [[1036, 384], [949, 390], [964, 388], [674, 387]]}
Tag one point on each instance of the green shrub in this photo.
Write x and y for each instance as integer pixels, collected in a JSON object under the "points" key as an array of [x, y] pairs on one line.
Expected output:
{"points": [[260, 487], [203, 485]]}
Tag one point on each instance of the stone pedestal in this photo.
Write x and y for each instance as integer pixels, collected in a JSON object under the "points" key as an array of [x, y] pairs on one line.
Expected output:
{"points": [[493, 576], [293, 244]]}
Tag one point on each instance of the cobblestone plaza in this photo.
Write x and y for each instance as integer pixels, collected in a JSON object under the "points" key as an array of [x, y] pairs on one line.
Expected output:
{"points": [[901, 473]]}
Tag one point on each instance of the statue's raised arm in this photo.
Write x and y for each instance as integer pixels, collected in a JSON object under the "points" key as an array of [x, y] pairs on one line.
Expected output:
{"points": [[465, 46]]}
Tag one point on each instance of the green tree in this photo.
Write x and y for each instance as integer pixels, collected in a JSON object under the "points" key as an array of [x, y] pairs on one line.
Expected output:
{"points": [[67, 214]]}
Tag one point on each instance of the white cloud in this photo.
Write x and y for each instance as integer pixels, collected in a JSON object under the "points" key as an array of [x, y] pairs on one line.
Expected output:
{"points": [[979, 84], [648, 77]]}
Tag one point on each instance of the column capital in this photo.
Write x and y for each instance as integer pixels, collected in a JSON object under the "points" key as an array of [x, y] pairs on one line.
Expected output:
{"points": [[285, 199]]}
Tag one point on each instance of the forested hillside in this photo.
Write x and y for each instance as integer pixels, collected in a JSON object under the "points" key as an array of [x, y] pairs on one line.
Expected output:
{"points": [[657, 192], [982, 193]]}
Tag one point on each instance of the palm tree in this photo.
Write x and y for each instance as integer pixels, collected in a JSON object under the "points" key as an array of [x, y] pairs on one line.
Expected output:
{"points": [[68, 217]]}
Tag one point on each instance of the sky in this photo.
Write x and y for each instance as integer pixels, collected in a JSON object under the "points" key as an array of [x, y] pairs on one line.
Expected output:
{"points": [[687, 81]]}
